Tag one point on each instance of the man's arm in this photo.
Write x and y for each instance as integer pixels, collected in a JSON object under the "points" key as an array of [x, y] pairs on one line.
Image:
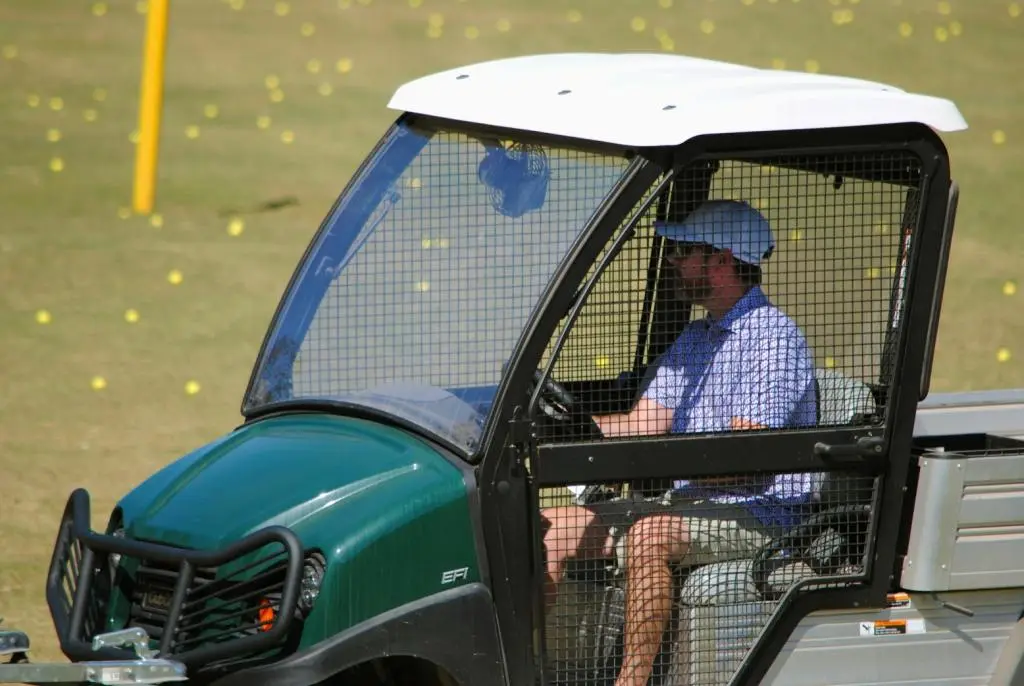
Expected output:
{"points": [[646, 418]]}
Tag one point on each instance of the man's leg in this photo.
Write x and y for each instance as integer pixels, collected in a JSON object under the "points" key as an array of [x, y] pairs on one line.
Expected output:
{"points": [[574, 532], [651, 545], [701, 533]]}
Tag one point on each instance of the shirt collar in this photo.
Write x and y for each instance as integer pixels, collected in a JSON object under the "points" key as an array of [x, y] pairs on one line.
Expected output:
{"points": [[753, 299]]}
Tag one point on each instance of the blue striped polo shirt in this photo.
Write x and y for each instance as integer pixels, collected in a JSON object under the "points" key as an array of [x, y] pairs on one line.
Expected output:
{"points": [[753, 364]]}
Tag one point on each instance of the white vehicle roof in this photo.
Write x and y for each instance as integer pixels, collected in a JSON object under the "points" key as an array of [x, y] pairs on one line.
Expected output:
{"points": [[654, 99]]}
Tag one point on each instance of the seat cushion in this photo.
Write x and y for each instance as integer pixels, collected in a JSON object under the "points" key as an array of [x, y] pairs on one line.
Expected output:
{"points": [[732, 582]]}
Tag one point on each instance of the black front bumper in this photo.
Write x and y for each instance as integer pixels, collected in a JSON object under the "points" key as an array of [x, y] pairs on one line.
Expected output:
{"points": [[206, 619]]}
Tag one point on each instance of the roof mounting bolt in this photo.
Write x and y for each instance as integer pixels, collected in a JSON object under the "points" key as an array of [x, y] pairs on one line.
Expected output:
{"points": [[462, 76], [668, 107], [564, 92]]}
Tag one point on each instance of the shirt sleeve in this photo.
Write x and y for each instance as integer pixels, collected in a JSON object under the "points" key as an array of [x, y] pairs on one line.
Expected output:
{"points": [[773, 379]]}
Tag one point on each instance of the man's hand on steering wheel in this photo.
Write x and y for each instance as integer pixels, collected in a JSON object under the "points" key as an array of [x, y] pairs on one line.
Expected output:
{"points": [[559, 413]]}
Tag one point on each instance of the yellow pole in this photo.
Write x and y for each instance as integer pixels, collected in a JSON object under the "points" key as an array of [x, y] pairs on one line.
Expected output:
{"points": [[150, 106]]}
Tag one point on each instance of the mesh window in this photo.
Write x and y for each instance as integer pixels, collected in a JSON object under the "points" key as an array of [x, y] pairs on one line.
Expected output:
{"points": [[792, 284], [416, 293]]}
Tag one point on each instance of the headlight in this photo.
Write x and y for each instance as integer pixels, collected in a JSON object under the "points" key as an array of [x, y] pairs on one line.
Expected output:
{"points": [[312, 577]]}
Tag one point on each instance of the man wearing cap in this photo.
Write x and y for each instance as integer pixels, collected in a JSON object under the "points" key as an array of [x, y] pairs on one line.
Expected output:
{"points": [[745, 366]]}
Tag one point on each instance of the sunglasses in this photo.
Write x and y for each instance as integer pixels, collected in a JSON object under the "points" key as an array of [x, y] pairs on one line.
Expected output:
{"points": [[680, 250]]}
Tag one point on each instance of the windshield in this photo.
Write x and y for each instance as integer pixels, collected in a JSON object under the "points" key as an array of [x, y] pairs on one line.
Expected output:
{"points": [[418, 286]]}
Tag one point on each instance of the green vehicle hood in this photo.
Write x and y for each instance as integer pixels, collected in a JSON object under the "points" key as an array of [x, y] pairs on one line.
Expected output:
{"points": [[301, 471]]}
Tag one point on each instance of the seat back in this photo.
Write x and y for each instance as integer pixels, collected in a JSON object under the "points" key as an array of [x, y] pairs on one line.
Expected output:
{"points": [[841, 401]]}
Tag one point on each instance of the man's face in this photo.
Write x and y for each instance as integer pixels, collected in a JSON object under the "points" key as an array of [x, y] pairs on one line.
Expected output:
{"points": [[693, 282]]}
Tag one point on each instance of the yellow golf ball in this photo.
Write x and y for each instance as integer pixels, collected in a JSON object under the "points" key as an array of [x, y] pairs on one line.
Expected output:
{"points": [[192, 387], [131, 316], [236, 226], [602, 361], [98, 383], [175, 277], [43, 317], [1003, 355], [156, 221], [1009, 288]]}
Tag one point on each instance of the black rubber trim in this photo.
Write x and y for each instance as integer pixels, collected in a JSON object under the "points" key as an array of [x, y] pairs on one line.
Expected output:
{"points": [[453, 629]]}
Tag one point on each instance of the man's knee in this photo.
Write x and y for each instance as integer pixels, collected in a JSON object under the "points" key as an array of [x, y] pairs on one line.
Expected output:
{"points": [[657, 537], [566, 526]]}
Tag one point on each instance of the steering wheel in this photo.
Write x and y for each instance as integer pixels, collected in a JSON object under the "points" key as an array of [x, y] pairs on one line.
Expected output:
{"points": [[562, 418]]}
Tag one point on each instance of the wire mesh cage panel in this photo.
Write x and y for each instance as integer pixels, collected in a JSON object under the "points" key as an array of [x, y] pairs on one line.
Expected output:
{"points": [[758, 295], [786, 278], [684, 584]]}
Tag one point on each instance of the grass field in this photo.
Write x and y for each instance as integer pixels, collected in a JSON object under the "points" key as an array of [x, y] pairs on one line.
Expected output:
{"points": [[266, 101]]}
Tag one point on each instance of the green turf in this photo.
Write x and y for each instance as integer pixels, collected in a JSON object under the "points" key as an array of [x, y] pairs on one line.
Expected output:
{"points": [[65, 248]]}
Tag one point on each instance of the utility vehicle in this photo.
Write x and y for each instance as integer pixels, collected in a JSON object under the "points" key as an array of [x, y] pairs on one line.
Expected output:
{"points": [[489, 280]]}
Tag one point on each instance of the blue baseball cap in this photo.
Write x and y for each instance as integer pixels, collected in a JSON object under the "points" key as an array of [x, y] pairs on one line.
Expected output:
{"points": [[723, 224]]}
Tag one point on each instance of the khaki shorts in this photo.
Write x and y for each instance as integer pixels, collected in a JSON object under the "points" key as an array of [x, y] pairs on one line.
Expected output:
{"points": [[717, 531]]}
